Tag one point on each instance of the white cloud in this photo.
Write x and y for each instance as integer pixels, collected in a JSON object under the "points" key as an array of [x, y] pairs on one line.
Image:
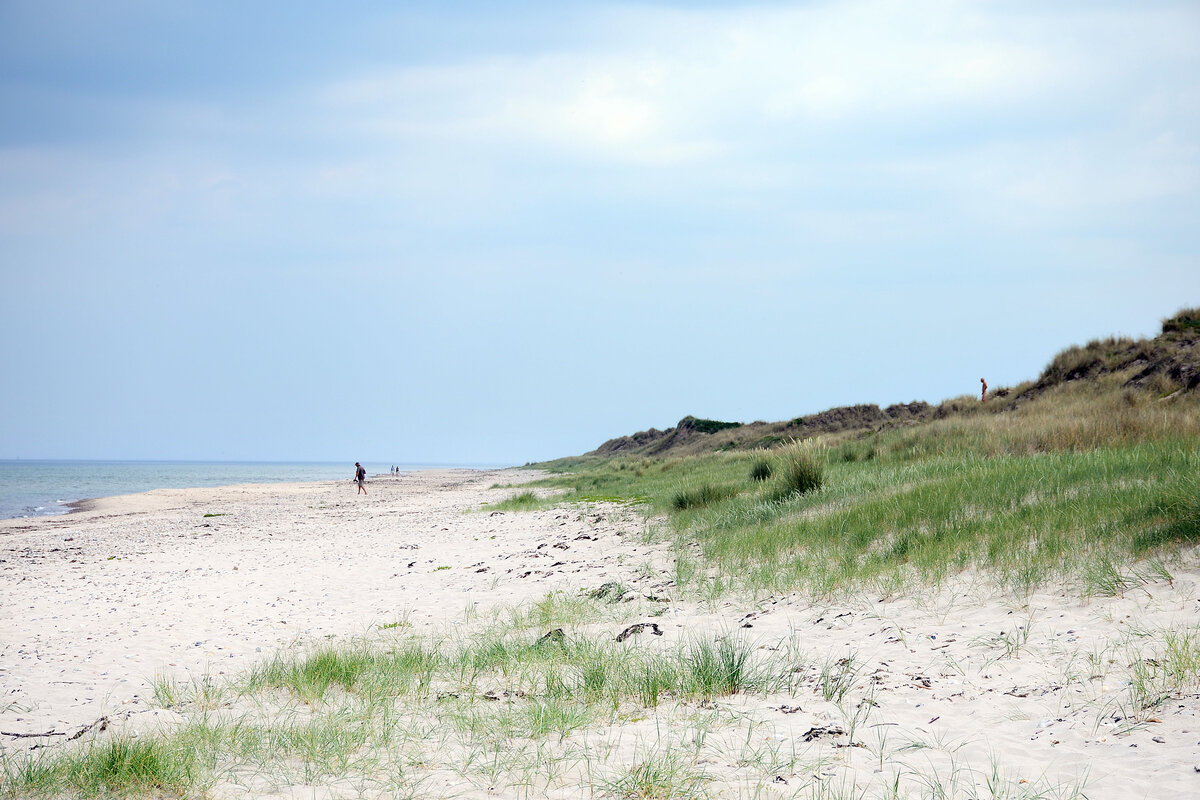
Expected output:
{"points": [[1027, 109], [736, 80]]}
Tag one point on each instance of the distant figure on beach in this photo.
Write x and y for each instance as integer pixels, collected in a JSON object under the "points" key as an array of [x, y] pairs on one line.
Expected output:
{"points": [[360, 475], [983, 396]]}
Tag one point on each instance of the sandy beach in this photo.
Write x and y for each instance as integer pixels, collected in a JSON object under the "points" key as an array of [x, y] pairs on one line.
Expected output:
{"points": [[953, 688]]}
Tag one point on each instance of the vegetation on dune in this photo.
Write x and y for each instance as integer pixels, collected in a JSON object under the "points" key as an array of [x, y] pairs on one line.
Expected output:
{"points": [[799, 473], [701, 496], [1185, 321], [761, 469], [708, 425], [920, 507], [1091, 468], [1148, 368]]}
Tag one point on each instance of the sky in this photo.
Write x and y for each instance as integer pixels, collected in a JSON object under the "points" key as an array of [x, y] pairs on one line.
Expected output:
{"points": [[479, 232]]}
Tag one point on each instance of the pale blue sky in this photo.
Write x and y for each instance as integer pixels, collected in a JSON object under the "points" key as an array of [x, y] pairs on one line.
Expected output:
{"points": [[485, 232]]}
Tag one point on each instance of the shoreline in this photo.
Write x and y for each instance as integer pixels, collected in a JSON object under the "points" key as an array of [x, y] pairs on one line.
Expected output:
{"points": [[161, 498], [234, 585], [51, 488], [204, 584], [92, 503]]}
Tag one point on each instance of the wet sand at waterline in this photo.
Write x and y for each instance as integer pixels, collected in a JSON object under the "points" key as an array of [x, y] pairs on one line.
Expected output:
{"points": [[950, 688]]}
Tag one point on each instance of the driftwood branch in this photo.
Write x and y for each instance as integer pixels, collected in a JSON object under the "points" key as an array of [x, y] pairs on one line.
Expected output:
{"points": [[102, 722]]}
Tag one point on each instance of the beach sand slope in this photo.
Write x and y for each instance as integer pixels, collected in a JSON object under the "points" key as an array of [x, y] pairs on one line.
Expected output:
{"points": [[950, 688]]}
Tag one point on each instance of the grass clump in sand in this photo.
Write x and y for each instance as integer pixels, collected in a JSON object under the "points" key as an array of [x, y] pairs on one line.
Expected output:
{"points": [[761, 469], [120, 766], [718, 667], [702, 496], [593, 671], [1162, 665], [395, 671], [523, 501], [501, 706], [665, 775], [798, 473]]}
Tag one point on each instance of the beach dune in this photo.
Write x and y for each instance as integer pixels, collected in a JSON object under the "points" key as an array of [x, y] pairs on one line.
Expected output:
{"points": [[966, 680]]}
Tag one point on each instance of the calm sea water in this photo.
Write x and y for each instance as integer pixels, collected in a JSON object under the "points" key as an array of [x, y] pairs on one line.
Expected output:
{"points": [[36, 488]]}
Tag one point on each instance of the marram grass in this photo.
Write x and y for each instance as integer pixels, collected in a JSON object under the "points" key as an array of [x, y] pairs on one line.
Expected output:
{"points": [[1077, 486], [356, 710], [400, 670], [522, 501], [115, 767], [1027, 519]]}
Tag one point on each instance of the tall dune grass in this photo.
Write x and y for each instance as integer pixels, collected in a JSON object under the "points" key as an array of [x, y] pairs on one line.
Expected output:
{"points": [[1028, 519], [1061, 486]]}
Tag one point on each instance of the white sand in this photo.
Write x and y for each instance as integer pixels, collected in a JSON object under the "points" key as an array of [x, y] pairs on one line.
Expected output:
{"points": [[96, 603]]}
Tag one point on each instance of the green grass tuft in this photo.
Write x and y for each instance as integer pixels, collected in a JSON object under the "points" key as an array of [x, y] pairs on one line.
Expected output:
{"points": [[761, 470], [525, 501], [660, 776], [720, 667], [119, 767], [701, 496], [798, 474]]}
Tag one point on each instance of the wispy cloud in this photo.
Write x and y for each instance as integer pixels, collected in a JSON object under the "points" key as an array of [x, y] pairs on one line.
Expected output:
{"points": [[1012, 112], [656, 95], [1015, 110]]}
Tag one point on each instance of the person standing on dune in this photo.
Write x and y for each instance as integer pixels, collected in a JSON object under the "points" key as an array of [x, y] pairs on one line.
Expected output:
{"points": [[360, 475], [983, 394]]}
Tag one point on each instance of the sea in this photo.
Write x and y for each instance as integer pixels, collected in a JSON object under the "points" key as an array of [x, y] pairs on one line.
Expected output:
{"points": [[33, 488]]}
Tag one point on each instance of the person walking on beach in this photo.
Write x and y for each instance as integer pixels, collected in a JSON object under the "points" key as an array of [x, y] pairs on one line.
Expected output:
{"points": [[360, 475]]}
